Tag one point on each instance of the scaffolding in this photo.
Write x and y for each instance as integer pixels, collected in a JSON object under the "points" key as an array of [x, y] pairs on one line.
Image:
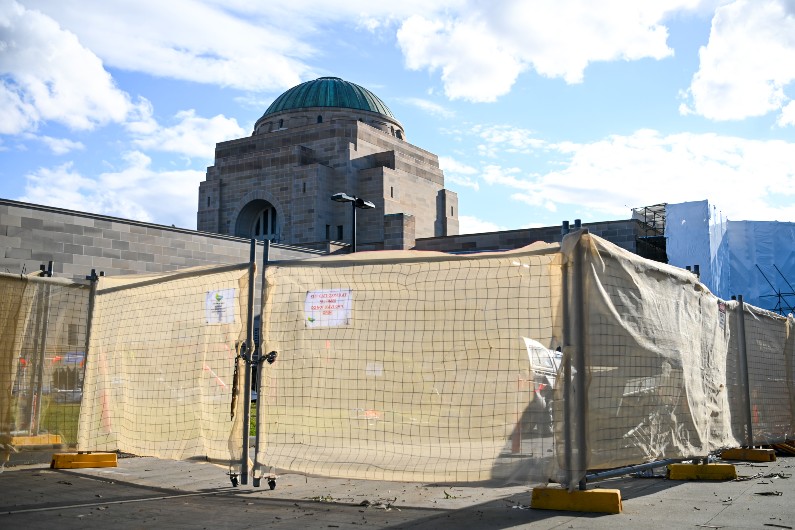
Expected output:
{"points": [[650, 242]]}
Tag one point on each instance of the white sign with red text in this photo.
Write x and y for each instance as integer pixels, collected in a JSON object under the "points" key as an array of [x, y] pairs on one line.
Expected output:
{"points": [[328, 308]]}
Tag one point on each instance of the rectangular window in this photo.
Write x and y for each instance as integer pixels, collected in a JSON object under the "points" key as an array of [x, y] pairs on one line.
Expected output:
{"points": [[328, 232], [392, 192], [451, 211], [339, 232], [73, 334], [304, 187]]}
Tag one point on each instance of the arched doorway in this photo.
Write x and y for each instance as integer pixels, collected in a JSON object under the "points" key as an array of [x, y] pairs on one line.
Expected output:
{"points": [[258, 220]]}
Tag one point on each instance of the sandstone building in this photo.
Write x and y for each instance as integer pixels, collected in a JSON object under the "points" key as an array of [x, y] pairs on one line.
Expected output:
{"points": [[319, 138]]}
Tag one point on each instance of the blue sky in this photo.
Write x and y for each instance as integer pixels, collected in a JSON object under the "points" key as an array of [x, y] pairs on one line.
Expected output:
{"points": [[540, 111]]}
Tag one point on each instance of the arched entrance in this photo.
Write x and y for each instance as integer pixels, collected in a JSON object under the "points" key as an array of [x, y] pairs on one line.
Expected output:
{"points": [[258, 220]]}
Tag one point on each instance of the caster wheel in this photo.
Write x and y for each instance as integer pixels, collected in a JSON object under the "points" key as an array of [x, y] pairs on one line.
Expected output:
{"points": [[272, 484]]}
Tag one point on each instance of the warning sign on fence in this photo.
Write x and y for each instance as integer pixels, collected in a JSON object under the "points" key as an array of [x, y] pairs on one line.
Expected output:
{"points": [[328, 308], [219, 307]]}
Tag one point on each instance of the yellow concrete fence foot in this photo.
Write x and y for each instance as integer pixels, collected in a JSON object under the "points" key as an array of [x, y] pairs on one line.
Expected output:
{"points": [[749, 455], [701, 472], [598, 500], [80, 460]]}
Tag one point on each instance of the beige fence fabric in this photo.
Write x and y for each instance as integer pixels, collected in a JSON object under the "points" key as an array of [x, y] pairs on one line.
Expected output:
{"points": [[412, 366], [161, 362], [42, 338], [656, 346]]}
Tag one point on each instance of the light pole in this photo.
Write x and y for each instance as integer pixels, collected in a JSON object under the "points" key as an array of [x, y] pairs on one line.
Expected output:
{"points": [[356, 202]]}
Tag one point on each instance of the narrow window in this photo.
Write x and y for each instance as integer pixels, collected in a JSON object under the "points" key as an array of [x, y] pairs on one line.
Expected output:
{"points": [[304, 187], [281, 124], [72, 334], [451, 211], [392, 192], [399, 135], [328, 232], [208, 201], [339, 232], [320, 119]]}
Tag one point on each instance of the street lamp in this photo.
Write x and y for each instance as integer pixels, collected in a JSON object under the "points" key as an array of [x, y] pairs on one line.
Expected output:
{"points": [[356, 202]]}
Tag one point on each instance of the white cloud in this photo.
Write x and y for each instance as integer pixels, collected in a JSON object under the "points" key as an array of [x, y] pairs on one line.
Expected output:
{"points": [[747, 63], [46, 74], [506, 138], [243, 46], [752, 179], [192, 135], [482, 47], [61, 146], [787, 116], [458, 173], [468, 224], [135, 191], [429, 106]]}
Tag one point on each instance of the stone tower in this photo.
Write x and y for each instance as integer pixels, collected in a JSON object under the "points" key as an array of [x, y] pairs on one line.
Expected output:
{"points": [[320, 138]]}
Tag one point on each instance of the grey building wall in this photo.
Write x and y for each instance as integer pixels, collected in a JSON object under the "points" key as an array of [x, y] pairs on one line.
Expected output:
{"points": [[77, 242], [623, 233]]}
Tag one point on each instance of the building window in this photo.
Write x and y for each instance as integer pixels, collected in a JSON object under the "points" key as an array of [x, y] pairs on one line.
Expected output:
{"points": [[304, 187], [399, 135], [451, 212], [208, 201], [73, 334], [281, 124], [339, 232], [391, 192], [320, 119], [328, 232]]}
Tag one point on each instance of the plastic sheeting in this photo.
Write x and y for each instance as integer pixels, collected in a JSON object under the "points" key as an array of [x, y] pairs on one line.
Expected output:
{"points": [[752, 258], [42, 325], [414, 366], [159, 374], [656, 345]]}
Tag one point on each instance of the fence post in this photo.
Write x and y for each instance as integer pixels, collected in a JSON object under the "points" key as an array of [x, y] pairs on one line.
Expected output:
{"points": [[265, 256], [743, 366], [35, 417], [567, 383], [92, 295], [581, 353], [252, 268]]}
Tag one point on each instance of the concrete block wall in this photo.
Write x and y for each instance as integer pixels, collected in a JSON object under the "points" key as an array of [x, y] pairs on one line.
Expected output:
{"points": [[77, 242], [622, 233]]}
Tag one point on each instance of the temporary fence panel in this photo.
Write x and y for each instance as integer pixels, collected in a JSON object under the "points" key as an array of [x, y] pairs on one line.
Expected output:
{"points": [[162, 354], [655, 344], [769, 348], [412, 366], [42, 342]]}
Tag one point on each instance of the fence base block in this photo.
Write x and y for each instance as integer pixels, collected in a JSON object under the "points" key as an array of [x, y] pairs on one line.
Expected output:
{"points": [[599, 500], [750, 455], [80, 460], [701, 472], [39, 439]]}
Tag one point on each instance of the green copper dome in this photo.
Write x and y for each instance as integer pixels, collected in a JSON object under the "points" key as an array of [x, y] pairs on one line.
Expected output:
{"points": [[329, 92]]}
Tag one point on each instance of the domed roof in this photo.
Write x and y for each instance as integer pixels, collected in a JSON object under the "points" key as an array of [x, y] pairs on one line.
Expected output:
{"points": [[329, 92]]}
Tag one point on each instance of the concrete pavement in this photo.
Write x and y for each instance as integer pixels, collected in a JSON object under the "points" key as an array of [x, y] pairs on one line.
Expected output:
{"points": [[151, 493]]}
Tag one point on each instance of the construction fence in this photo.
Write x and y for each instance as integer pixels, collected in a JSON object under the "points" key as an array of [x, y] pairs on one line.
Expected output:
{"points": [[528, 365]]}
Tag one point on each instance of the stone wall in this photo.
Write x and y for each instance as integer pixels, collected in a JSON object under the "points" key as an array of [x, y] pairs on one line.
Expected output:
{"points": [[622, 233], [76, 242]]}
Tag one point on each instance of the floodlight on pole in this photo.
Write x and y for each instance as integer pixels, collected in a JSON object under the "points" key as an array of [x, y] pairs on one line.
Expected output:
{"points": [[356, 202]]}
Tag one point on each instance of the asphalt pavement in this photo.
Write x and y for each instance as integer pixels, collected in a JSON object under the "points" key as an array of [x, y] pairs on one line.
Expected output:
{"points": [[151, 493]]}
